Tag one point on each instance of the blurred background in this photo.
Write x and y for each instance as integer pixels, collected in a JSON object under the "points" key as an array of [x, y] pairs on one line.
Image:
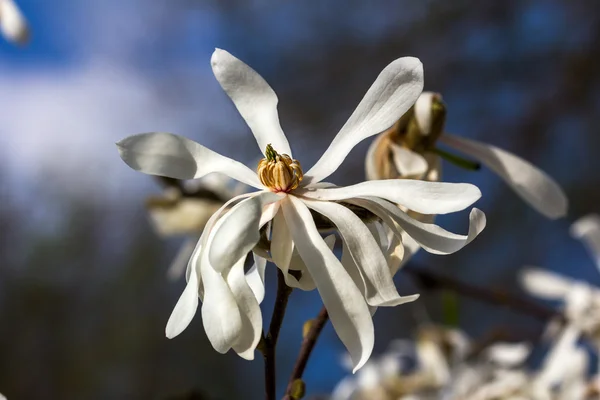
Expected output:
{"points": [[84, 297]]}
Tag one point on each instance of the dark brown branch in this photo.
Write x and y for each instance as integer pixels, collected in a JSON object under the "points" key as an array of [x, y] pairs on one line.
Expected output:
{"points": [[269, 343], [517, 303], [308, 344]]}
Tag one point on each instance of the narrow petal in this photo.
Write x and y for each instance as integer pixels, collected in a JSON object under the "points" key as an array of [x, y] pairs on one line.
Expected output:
{"points": [[528, 181], [177, 267], [282, 247], [587, 229], [237, 232], [545, 284], [254, 99], [423, 114], [419, 196], [408, 163], [508, 355], [394, 91], [187, 305], [221, 315], [173, 156], [12, 23], [185, 309], [431, 237], [306, 281], [249, 311], [256, 278], [374, 276], [346, 306], [371, 172]]}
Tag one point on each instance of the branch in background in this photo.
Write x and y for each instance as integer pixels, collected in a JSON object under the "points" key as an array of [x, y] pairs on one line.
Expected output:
{"points": [[295, 383], [269, 342], [520, 304]]}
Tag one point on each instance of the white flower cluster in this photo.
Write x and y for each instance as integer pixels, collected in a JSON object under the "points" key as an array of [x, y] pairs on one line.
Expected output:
{"points": [[448, 366]]}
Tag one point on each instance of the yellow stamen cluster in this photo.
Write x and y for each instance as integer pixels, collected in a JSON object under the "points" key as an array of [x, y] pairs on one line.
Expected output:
{"points": [[279, 172]]}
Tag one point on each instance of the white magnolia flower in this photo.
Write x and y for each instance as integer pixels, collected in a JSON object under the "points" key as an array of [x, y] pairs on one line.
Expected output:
{"points": [[184, 210], [287, 197], [409, 150], [12, 23]]}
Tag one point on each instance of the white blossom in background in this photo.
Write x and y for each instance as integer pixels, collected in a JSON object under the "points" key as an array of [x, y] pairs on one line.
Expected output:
{"points": [[408, 150], [178, 214], [12, 23], [580, 299], [446, 368], [285, 198]]}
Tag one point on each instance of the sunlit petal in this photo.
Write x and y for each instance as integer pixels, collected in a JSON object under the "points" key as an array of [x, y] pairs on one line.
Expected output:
{"points": [[528, 181], [173, 156], [347, 308], [254, 99], [394, 91]]}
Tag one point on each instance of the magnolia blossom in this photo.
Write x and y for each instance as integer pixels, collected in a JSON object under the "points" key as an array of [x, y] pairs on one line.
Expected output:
{"points": [[446, 367], [184, 210], [408, 150], [12, 23], [285, 202]]}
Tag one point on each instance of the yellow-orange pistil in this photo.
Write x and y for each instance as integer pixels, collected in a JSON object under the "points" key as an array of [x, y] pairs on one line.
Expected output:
{"points": [[279, 172]]}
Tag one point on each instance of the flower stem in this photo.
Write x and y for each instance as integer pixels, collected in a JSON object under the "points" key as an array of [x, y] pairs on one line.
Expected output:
{"points": [[269, 342], [308, 344], [457, 160]]}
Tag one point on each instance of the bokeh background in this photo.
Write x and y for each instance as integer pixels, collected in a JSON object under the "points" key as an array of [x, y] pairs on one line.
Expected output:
{"points": [[84, 297]]}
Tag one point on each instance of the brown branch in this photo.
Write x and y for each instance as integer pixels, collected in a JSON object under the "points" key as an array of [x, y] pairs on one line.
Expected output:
{"points": [[517, 303], [269, 342], [308, 344]]}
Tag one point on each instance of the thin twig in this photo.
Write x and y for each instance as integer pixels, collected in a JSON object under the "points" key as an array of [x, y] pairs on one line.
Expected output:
{"points": [[308, 344], [517, 303], [269, 342]]}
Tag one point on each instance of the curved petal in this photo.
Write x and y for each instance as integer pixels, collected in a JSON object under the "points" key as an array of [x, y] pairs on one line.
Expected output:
{"points": [[166, 154], [306, 281], [237, 232], [408, 163], [587, 229], [249, 311], [282, 246], [254, 99], [545, 284], [374, 278], [12, 23], [394, 91], [256, 277], [419, 196], [423, 115], [186, 307], [347, 308], [371, 172], [529, 182], [431, 237]]}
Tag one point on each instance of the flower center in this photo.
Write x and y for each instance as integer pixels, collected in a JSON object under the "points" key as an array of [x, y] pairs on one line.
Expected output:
{"points": [[279, 172]]}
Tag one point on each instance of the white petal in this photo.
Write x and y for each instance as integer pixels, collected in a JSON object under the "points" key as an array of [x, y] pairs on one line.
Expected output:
{"points": [[282, 246], [237, 232], [374, 276], [12, 23], [587, 229], [186, 216], [188, 302], [166, 154], [185, 309], [529, 182], [221, 315], [423, 111], [394, 91], [371, 172], [249, 311], [269, 213], [508, 354], [347, 308], [408, 163], [419, 196], [306, 281], [556, 363], [545, 284], [431, 237], [254, 99], [177, 267], [256, 278]]}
